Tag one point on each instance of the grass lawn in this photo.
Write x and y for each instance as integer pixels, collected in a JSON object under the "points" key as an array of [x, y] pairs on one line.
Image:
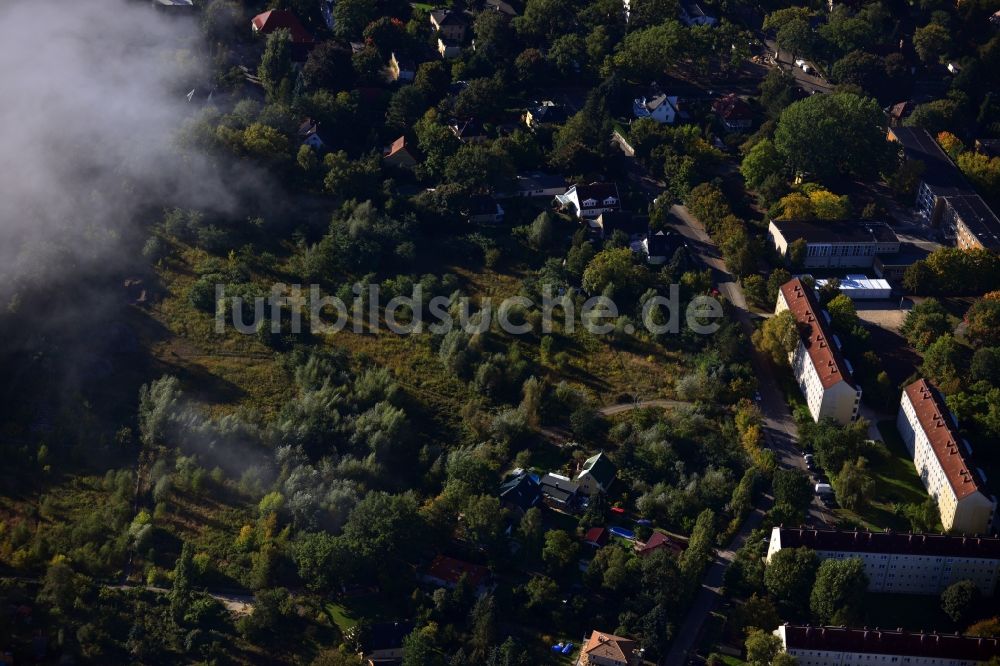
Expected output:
{"points": [[342, 617], [730, 660], [896, 483], [909, 611], [345, 613]]}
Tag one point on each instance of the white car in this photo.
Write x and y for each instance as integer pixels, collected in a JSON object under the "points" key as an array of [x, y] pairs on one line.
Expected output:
{"points": [[824, 489], [799, 62]]}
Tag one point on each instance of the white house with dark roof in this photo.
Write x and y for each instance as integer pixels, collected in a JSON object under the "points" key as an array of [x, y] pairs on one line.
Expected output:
{"points": [[661, 108], [590, 201], [596, 475]]}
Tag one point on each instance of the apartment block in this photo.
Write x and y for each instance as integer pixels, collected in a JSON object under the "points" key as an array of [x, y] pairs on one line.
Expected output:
{"points": [[944, 197], [822, 373], [940, 456], [843, 646], [902, 563]]}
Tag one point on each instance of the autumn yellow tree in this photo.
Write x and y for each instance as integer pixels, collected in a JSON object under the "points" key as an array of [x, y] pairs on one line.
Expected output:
{"points": [[828, 206]]}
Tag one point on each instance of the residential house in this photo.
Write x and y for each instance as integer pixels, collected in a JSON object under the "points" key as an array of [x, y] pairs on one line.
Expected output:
{"points": [[941, 457], [450, 24], [659, 246], [604, 649], [734, 113], [606, 224], [536, 184], [382, 642], [468, 131], [659, 541], [898, 112], [902, 563], [824, 376], [590, 201], [309, 134], [596, 475], [597, 537], [558, 491], [944, 197], [547, 112], [400, 154], [448, 49], [840, 646], [276, 19], [403, 70], [501, 6], [661, 108], [520, 492], [832, 243], [483, 209], [692, 14], [446, 571]]}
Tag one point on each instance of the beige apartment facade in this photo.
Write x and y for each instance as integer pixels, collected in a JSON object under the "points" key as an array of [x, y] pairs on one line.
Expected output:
{"points": [[940, 457], [824, 376]]}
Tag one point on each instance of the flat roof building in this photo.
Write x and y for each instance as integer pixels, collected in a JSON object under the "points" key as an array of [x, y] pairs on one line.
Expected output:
{"points": [[834, 242], [944, 196]]}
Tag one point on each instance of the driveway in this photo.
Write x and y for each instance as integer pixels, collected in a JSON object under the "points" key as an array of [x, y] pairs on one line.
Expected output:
{"points": [[808, 82]]}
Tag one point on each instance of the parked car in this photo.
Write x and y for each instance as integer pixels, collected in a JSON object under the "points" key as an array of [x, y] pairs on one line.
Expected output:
{"points": [[810, 461], [824, 489]]}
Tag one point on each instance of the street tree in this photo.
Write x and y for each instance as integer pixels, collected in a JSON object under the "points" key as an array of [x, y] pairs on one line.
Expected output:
{"points": [[778, 337]]}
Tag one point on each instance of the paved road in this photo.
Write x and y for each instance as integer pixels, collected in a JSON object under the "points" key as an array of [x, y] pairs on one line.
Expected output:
{"points": [[808, 82], [709, 593], [779, 428]]}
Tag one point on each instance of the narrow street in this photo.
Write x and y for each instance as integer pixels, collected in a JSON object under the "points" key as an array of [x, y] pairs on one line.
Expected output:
{"points": [[780, 435]]}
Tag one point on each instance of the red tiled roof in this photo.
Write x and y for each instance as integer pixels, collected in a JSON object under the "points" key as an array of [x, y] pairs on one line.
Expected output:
{"points": [[732, 107], [276, 19], [935, 419], [609, 646], [451, 570], [856, 541], [597, 535], [815, 334], [659, 540], [902, 643], [396, 146]]}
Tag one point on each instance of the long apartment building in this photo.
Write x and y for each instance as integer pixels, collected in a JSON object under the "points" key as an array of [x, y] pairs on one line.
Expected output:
{"points": [[823, 374], [842, 646], [940, 456], [834, 243], [944, 197], [901, 563]]}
